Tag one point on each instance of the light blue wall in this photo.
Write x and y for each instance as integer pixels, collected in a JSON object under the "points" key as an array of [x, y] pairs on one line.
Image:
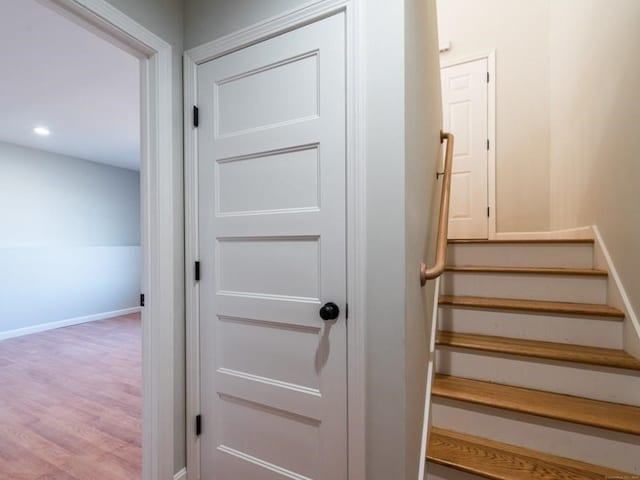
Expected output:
{"points": [[69, 238]]}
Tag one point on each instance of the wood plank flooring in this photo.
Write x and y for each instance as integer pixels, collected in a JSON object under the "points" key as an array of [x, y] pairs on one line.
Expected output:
{"points": [[536, 306], [587, 272], [70, 403], [584, 411], [525, 241], [499, 461], [564, 352]]}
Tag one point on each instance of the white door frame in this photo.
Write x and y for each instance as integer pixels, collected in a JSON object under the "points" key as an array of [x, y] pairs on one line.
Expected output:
{"points": [[490, 56], [157, 187], [356, 258]]}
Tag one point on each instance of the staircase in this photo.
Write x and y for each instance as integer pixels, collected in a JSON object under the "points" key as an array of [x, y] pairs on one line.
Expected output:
{"points": [[532, 381]]}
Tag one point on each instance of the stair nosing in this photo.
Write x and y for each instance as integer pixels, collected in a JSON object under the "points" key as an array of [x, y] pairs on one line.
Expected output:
{"points": [[536, 306], [522, 241], [525, 454], [535, 401], [587, 272], [564, 352]]}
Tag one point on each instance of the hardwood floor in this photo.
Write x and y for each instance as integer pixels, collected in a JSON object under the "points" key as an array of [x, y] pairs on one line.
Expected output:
{"points": [[584, 411], [71, 403], [564, 352], [500, 461]]}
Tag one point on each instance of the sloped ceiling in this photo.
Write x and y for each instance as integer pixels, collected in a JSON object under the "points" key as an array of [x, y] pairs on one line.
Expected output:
{"points": [[57, 74]]}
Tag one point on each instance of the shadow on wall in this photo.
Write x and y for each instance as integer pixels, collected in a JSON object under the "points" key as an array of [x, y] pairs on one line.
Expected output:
{"points": [[595, 154]]}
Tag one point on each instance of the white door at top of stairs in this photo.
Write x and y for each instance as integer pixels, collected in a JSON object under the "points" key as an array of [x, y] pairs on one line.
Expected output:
{"points": [[272, 236], [465, 114]]}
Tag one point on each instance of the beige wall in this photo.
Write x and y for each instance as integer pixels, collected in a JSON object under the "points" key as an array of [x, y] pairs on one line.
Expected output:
{"points": [[519, 31], [423, 121], [570, 67], [595, 117]]}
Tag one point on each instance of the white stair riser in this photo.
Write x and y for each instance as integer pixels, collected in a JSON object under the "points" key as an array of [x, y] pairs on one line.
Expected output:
{"points": [[439, 472], [557, 288], [591, 445], [606, 384], [518, 255], [592, 331]]}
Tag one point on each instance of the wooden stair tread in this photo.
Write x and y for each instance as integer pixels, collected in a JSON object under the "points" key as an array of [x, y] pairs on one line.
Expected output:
{"points": [[540, 306], [594, 413], [607, 357], [527, 270], [500, 461], [525, 241]]}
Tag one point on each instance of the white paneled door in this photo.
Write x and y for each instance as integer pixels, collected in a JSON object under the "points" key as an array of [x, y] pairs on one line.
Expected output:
{"points": [[465, 111], [272, 240]]}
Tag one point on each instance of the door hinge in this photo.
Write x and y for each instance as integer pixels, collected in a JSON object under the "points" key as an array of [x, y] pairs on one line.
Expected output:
{"points": [[196, 269], [488, 144], [196, 116], [488, 77], [346, 311], [488, 211], [142, 299], [198, 425]]}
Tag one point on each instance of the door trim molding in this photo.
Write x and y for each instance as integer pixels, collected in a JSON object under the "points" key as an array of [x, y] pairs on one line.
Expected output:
{"points": [[356, 228], [158, 185], [490, 56]]}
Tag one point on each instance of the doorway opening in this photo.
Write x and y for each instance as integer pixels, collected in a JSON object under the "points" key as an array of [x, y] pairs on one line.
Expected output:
{"points": [[71, 348], [151, 333]]}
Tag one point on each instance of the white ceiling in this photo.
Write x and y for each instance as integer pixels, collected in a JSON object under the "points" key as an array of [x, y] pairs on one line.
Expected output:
{"points": [[57, 74]]}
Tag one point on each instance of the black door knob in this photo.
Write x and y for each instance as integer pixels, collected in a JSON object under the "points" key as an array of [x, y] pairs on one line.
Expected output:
{"points": [[329, 311]]}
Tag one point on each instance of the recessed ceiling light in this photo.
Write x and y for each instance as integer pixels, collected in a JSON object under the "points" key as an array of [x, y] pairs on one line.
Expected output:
{"points": [[43, 131]]}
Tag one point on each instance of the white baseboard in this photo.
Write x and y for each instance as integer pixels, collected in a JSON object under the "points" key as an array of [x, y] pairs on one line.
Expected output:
{"points": [[19, 332], [181, 475], [617, 295], [570, 233]]}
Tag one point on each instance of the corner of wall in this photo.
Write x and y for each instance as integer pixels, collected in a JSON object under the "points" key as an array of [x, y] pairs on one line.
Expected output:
{"points": [[617, 296], [422, 146]]}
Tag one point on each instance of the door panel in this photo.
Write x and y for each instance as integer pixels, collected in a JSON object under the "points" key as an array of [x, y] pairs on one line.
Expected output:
{"points": [[272, 235], [294, 186], [268, 95], [465, 96]]}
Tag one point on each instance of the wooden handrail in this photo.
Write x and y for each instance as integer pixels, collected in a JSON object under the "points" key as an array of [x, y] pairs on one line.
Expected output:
{"points": [[443, 222]]}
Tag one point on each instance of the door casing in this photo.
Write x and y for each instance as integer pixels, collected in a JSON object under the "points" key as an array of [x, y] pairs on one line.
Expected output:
{"points": [[490, 56], [355, 215]]}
